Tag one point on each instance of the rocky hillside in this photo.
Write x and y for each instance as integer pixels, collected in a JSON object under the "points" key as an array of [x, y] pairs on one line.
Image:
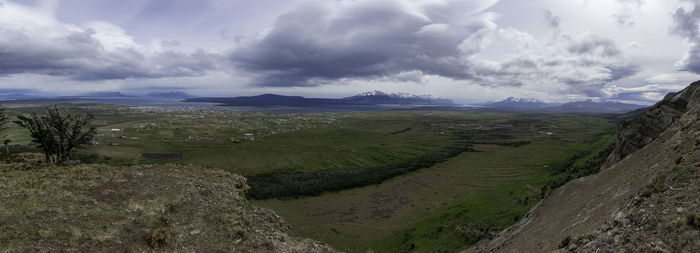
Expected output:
{"points": [[648, 125], [136, 209], [647, 202]]}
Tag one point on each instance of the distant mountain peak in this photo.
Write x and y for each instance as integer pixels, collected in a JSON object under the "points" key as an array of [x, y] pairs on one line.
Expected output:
{"points": [[371, 93], [523, 103], [103, 94], [521, 100], [396, 95]]}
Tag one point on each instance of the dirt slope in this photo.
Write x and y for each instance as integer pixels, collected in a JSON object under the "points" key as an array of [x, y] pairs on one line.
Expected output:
{"points": [[165, 208], [607, 210]]}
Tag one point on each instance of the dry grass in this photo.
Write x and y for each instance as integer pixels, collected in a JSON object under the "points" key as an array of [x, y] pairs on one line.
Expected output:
{"points": [[144, 208]]}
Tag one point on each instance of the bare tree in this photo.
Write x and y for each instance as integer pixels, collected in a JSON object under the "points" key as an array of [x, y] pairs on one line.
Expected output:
{"points": [[58, 132]]}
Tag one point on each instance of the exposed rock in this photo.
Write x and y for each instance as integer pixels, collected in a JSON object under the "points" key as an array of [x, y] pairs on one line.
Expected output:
{"points": [[636, 133]]}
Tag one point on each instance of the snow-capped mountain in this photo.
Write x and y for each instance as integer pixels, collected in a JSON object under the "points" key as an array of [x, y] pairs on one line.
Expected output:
{"points": [[398, 94], [525, 103], [379, 97]]}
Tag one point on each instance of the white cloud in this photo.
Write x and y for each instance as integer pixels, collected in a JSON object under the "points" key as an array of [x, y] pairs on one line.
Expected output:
{"points": [[470, 50]]}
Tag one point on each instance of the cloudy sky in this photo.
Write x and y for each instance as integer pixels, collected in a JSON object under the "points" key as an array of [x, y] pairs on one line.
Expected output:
{"points": [[467, 50]]}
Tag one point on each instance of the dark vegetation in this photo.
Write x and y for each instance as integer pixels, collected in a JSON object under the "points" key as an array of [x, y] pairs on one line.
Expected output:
{"points": [[3, 119], [693, 220], [58, 132], [161, 156], [565, 243], [298, 184], [401, 131], [581, 164]]}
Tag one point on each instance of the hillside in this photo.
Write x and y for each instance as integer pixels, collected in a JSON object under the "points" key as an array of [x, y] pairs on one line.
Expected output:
{"points": [[649, 124], [163, 208], [648, 201]]}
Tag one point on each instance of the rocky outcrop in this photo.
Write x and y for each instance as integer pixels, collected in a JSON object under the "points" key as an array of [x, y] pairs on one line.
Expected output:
{"points": [[648, 125], [645, 203], [662, 218]]}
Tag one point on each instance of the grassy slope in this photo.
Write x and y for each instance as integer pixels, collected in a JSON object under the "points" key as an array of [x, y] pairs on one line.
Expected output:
{"points": [[162, 208]]}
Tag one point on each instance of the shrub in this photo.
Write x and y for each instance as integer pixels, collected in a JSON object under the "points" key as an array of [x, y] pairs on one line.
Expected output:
{"points": [[58, 132], [565, 243], [693, 220]]}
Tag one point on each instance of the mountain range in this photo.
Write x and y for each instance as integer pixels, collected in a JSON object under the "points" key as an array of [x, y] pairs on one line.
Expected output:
{"points": [[170, 95], [520, 103], [15, 96], [587, 106], [116, 94], [367, 98], [105, 94]]}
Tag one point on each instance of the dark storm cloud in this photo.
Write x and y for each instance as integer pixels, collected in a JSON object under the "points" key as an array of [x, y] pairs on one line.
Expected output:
{"points": [[80, 56], [313, 45], [622, 71], [363, 39], [686, 24], [691, 60], [321, 42], [44, 46]]}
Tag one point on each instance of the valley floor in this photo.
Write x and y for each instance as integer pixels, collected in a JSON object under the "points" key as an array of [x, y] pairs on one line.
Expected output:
{"points": [[507, 162]]}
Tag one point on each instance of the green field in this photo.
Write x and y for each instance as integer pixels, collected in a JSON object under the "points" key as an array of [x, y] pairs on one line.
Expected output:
{"points": [[442, 180], [453, 204]]}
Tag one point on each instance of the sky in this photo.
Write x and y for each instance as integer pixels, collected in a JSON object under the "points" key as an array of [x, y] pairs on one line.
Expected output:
{"points": [[471, 51]]}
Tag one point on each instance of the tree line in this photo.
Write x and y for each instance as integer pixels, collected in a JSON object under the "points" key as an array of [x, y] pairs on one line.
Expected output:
{"points": [[57, 131], [299, 184]]}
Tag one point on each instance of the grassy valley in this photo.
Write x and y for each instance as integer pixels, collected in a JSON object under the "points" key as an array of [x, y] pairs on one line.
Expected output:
{"points": [[390, 181]]}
